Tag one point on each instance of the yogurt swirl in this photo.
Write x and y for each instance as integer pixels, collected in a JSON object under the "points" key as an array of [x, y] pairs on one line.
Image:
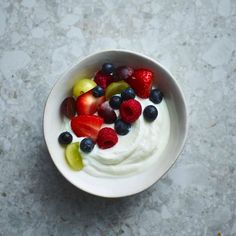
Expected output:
{"points": [[134, 152]]}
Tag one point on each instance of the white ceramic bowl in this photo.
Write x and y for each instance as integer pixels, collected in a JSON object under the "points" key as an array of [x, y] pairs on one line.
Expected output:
{"points": [[116, 187]]}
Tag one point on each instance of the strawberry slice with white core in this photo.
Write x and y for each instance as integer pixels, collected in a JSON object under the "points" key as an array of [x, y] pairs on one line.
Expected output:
{"points": [[87, 104]]}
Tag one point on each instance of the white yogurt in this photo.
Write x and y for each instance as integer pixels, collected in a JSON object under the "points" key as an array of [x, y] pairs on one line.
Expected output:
{"points": [[134, 152]]}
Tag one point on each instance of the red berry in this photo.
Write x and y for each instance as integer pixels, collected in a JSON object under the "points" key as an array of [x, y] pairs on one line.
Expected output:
{"points": [[87, 104], [130, 110], [141, 82], [103, 80], [107, 113], [107, 138], [86, 125]]}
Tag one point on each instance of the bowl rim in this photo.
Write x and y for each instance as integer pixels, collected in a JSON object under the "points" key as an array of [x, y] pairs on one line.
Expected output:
{"points": [[181, 95]]}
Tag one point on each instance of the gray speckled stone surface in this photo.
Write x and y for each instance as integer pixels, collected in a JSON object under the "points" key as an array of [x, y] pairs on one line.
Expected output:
{"points": [[196, 40]]}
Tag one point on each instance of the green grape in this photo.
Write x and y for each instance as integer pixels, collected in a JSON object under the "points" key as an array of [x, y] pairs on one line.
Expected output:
{"points": [[83, 86], [73, 156], [115, 88]]}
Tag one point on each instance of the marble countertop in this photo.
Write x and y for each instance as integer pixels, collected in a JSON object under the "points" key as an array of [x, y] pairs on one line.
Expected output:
{"points": [[195, 40]]}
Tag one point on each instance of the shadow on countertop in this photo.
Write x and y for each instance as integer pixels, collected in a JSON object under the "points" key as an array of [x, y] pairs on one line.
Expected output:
{"points": [[59, 197]]}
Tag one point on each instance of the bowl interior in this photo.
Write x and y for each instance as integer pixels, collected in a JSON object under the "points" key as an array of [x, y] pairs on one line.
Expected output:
{"points": [[123, 186]]}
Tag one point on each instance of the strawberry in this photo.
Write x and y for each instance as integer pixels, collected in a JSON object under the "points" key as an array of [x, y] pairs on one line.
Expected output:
{"points": [[141, 82], [87, 104], [86, 126], [102, 79]]}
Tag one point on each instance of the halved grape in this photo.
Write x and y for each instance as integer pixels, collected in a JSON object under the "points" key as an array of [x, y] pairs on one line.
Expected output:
{"points": [[68, 107], [115, 88], [83, 86], [107, 113], [73, 156], [124, 72]]}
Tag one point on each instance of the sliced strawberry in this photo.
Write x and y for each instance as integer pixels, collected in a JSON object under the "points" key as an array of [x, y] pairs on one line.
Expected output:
{"points": [[87, 104], [102, 79], [141, 82], [86, 126]]}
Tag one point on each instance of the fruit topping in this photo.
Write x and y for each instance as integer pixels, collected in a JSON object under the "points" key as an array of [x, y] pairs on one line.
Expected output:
{"points": [[107, 138], [112, 88], [128, 94], [87, 145], [86, 126], [115, 102], [68, 107], [87, 104], [107, 113], [65, 138], [150, 113], [102, 79], [83, 86], [156, 96], [130, 110], [73, 156], [121, 127], [123, 72], [141, 82], [115, 88], [108, 68], [98, 91]]}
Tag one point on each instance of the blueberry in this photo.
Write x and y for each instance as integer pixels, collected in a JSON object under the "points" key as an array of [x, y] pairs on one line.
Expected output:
{"points": [[121, 127], [128, 94], [115, 102], [108, 68], [98, 91], [150, 113], [65, 138], [87, 145], [156, 96]]}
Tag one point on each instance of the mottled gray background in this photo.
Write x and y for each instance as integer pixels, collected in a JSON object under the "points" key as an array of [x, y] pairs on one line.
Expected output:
{"points": [[195, 40]]}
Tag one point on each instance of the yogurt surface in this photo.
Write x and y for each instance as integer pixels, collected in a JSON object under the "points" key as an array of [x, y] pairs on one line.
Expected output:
{"points": [[134, 152]]}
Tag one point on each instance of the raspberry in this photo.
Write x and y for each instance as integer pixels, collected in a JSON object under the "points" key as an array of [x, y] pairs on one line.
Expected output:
{"points": [[102, 79], [107, 138], [130, 110]]}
